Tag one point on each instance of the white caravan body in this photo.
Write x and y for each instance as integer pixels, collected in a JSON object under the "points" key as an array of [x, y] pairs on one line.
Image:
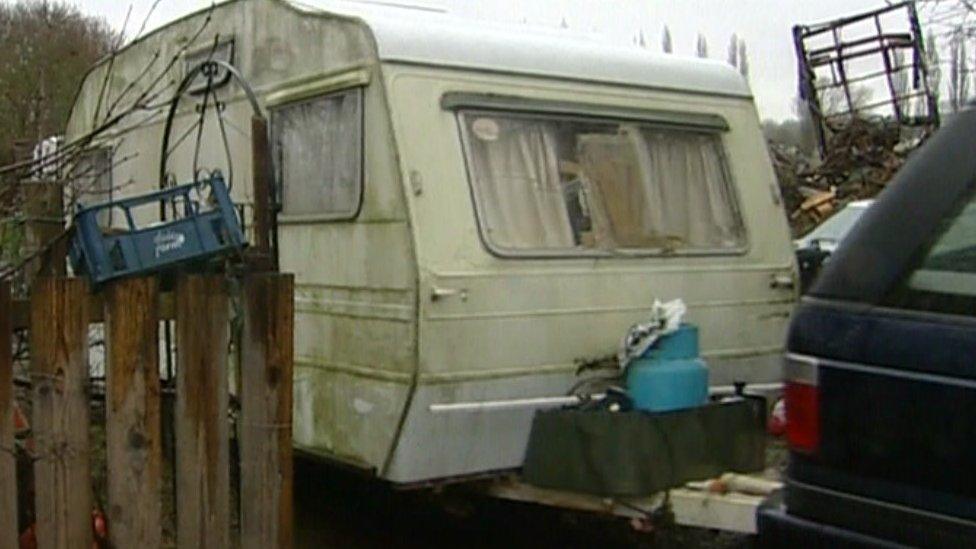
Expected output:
{"points": [[470, 209]]}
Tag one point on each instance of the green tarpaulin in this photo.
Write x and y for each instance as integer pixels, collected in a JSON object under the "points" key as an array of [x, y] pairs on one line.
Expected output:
{"points": [[638, 453]]}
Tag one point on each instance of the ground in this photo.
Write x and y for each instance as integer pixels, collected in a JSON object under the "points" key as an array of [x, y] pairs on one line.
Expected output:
{"points": [[340, 509], [343, 509]]}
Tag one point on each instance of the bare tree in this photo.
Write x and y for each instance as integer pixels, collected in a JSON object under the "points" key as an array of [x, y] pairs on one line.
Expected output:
{"points": [[934, 66], [143, 100], [701, 47], [743, 59], [958, 72], [738, 57], [899, 82], [45, 49], [950, 23], [666, 44], [793, 132], [734, 50], [834, 101]]}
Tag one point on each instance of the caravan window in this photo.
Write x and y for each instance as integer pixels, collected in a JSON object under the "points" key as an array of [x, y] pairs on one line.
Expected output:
{"points": [[91, 177], [584, 185], [318, 155]]}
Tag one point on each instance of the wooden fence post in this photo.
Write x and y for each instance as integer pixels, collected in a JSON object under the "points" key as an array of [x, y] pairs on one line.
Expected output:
{"points": [[8, 457], [202, 430], [133, 447], [59, 363], [261, 185], [44, 223], [267, 350]]}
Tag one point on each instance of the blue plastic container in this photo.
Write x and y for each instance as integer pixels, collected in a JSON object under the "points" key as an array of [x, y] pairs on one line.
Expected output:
{"points": [[203, 227], [670, 376]]}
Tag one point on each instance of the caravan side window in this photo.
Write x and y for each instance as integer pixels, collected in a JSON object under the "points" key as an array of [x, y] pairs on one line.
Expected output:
{"points": [[574, 185], [91, 178], [318, 155]]}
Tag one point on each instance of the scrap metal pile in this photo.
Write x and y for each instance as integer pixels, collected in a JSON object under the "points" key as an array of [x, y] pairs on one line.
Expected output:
{"points": [[860, 161], [862, 142]]}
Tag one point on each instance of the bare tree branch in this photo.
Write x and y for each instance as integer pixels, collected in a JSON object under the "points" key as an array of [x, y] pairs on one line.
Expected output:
{"points": [[142, 101]]}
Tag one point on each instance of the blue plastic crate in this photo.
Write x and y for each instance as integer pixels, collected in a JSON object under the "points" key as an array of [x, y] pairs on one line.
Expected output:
{"points": [[204, 224]]}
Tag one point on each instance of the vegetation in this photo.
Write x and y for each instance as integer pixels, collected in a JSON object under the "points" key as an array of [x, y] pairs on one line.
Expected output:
{"points": [[738, 55], [951, 30], [45, 49]]}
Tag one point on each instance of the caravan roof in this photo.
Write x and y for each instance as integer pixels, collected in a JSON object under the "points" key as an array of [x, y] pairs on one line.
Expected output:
{"points": [[432, 37]]}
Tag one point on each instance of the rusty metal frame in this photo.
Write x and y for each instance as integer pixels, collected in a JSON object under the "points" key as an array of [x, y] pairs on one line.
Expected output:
{"points": [[836, 56]]}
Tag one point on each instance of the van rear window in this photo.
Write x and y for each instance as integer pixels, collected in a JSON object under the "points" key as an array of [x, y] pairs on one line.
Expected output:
{"points": [[945, 277], [575, 184]]}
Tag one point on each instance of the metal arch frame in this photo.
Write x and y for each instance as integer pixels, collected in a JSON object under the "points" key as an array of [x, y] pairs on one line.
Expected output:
{"points": [[207, 65]]}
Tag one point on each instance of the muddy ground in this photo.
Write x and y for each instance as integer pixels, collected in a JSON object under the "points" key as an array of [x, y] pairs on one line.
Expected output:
{"points": [[335, 508], [340, 509]]}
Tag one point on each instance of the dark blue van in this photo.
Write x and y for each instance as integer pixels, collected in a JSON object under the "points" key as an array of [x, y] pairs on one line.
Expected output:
{"points": [[881, 370]]}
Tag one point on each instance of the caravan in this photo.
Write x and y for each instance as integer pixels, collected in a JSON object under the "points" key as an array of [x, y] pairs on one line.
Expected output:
{"points": [[470, 210]]}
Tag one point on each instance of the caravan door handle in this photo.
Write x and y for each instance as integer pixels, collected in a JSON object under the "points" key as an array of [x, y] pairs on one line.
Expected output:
{"points": [[437, 294], [782, 282]]}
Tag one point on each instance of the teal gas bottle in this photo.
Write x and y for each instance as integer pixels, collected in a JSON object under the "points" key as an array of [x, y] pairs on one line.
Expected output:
{"points": [[670, 375]]}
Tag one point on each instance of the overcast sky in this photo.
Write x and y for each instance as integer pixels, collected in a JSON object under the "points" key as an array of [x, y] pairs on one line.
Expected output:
{"points": [[765, 25]]}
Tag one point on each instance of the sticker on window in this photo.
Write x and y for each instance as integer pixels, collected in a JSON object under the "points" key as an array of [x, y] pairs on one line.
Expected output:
{"points": [[485, 129], [562, 183]]}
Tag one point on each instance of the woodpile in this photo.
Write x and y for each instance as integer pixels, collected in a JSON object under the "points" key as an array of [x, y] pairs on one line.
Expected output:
{"points": [[861, 158]]}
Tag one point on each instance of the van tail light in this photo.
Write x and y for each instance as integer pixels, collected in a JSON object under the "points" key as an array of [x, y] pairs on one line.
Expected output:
{"points": [[802, 397]]}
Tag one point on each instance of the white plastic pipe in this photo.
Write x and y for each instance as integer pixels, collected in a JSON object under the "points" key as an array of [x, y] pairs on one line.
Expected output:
{"points": [[751, 388], [492, 405]]}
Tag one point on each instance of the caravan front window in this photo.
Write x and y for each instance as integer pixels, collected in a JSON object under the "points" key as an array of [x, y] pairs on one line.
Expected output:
{"points": [[570, 184], [92, 180], [318, 155]]}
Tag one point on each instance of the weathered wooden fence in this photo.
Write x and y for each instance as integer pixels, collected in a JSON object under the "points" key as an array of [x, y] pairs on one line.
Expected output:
{"points": [[60, 311], [8, 459]]}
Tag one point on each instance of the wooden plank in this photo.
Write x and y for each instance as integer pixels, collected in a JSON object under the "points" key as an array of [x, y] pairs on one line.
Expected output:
{"points": [[259, 256], [261, 184], [267, 351], [96, 310], [44, 228], [202, 430], [8, 458], [59, 364], [20, 313], [132, 414]]}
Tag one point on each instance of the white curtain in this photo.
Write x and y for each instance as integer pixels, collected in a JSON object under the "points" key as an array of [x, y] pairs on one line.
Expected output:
{"points": [[662, 189], [642, 188], [318, 150], [517, 176], [688, 193]]}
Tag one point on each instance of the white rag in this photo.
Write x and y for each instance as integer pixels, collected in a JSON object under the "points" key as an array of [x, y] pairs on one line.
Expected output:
{"points": [[665, 319]]}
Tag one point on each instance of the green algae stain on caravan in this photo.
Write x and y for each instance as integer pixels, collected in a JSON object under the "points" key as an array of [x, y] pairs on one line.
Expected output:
{"points": [[469, 209]]}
